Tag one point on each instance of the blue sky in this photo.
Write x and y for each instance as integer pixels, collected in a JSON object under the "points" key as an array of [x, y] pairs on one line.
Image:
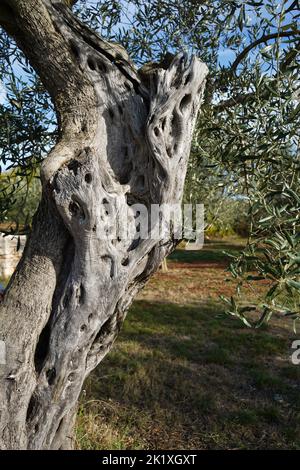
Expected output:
{"points": [[2, 93]]}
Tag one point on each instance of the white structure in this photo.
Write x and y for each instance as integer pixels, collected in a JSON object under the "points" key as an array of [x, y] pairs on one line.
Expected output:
{"points": [[9, 256]]}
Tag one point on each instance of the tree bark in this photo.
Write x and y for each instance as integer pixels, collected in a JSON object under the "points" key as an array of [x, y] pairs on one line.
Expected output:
{"points": [[123, 140]]}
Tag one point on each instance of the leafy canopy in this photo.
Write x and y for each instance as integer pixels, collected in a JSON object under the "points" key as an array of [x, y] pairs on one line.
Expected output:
{"points": [[246, 146]]}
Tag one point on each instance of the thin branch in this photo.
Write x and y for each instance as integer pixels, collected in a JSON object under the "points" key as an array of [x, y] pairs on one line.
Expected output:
{"points": [[262, 39], [238, 99], [293, 6], [243, 98]]}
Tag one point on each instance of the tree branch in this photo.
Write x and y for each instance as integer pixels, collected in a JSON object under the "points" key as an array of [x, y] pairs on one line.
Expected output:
{"points": [[238, 99], [293, 6], [262, 39]]}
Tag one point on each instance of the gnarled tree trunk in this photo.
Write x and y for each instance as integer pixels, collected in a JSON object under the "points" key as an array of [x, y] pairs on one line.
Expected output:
{"points": [[123, 140]]}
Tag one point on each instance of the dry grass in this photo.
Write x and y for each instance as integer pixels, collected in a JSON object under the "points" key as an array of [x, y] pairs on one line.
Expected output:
{"points": [[182, 376]]}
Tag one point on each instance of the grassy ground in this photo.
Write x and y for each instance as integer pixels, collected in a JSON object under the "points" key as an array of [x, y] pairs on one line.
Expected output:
{"points": [[182, 377]]}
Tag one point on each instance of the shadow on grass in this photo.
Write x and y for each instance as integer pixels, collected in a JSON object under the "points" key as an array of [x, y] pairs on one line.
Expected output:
{"points": [[179, 377], [213, 251]]}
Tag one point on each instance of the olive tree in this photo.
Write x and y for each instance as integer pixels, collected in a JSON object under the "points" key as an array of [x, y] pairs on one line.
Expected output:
{"points": [[123, 139]]}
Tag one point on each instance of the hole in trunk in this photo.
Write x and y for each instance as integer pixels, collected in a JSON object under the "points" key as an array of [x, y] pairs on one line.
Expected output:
{"points": [[102, 67], [32, 408], [74, 49], [91, 63], [186, 100], [51, 375], [135, 243], [42, 348], [188, 79], [125, 262], [81, 294], [130, 199], [74, 166], [55, 183], [169, 152], [88, 178], [106, 206], [76, 210], [104, 331], [176, 126]]}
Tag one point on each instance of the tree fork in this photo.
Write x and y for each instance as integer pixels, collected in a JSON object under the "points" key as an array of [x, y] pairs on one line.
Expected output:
{"points": [[122, 141]]}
